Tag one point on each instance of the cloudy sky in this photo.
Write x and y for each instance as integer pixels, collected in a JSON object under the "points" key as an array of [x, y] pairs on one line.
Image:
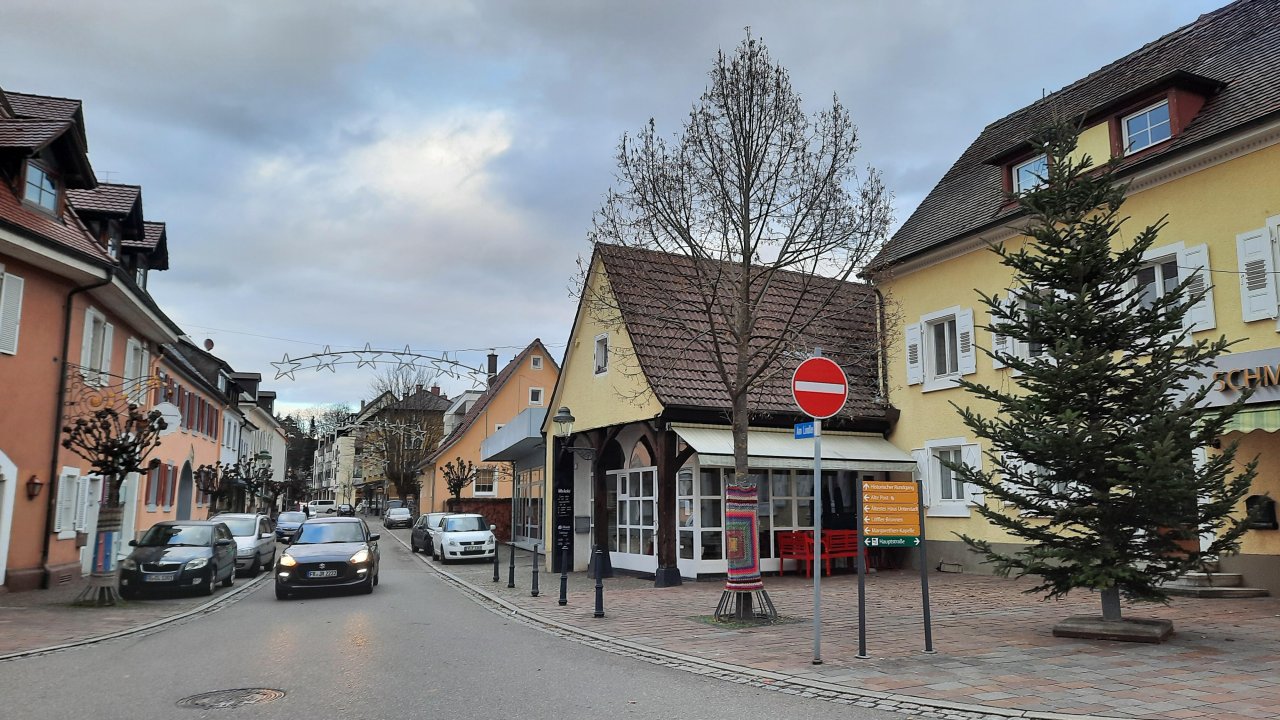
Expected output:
{"points": [[424, 172]]}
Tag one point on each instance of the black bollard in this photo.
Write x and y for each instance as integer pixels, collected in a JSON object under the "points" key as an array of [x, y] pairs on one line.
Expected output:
{"points": [[599, 584], [565, 559], [511, 571], [496, 571], [534, 591]]}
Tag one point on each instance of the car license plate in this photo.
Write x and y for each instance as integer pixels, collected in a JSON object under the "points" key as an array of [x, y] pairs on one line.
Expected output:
{"points": [[322, 573], [472, 551], [159, 577]]}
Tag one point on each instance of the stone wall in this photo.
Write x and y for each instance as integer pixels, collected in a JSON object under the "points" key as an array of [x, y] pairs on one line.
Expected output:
{"points": [[496, 510]]}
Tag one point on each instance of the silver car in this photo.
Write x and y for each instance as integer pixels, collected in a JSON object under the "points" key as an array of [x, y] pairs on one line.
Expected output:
{"points": [[255, 541]]}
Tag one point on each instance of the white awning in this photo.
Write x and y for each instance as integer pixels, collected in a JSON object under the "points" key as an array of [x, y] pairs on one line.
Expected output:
{"points": [[779, 449]]}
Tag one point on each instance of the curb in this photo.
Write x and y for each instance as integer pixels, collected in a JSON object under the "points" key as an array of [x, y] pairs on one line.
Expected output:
{"points": [[763, 675], [215, 602]]}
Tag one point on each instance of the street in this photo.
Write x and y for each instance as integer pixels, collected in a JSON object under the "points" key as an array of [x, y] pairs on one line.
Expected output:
{"points": [[416, 647]]}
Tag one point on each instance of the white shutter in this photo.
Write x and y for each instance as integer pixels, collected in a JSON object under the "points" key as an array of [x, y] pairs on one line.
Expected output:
{"points": [[1000, 344], [83, 498], [964, 342], [104, 375], [915, 352], [10, 312], [131, 380], [971, 456], [86, 345], [1195, 260], [1257, 275], [922, 469], [65, 511], [1014, 464]]}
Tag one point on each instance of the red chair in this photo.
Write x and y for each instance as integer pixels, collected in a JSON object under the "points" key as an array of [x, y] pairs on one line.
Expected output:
{"points": [[794, 545]]}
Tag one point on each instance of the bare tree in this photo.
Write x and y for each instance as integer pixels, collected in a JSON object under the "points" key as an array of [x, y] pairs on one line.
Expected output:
{"points": [[458, 474], [402, 380], [757, 196]]}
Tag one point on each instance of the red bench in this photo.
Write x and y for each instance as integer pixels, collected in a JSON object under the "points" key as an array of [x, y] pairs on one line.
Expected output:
{"points": [[795, 545], [842, 544]]}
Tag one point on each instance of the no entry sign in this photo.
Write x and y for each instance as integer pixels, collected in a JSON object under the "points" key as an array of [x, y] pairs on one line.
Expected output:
{"points": [[820, 387]]}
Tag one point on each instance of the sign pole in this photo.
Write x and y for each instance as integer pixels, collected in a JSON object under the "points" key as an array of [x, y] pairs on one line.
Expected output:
{"points": [[862, 572], [924, 577], [817, 542]]}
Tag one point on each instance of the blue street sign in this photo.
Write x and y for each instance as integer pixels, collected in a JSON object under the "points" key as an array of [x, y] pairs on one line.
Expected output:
{"points": [[804, 430]]}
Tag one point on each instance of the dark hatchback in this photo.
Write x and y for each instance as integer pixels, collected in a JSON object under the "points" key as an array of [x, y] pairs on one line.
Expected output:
{"points": [[180, 554], [331, 552], [287, 524]]}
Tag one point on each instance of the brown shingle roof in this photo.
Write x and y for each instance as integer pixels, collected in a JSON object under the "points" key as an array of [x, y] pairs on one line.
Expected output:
{"points": [[422, 401], [68, 231], [1238, 46], [658, 301], [107, 199], [30, 134], [42, 106]]}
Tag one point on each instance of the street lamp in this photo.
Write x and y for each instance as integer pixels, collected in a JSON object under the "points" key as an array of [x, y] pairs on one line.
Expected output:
{"points": [[563, 420]]}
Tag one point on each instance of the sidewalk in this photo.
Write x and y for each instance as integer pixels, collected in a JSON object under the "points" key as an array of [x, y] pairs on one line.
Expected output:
{"points": [[994, 644]]}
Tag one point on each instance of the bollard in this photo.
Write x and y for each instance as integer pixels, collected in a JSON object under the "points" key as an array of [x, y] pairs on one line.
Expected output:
{"points": [[599, 612], [565, 559], [511, 571], [496, 571], [534, 591]]}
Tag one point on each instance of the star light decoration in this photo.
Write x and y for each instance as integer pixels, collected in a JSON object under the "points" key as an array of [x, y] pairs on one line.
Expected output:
{"points": [[329, 359]]}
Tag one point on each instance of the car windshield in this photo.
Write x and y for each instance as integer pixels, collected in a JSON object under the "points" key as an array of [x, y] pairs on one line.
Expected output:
{"points": [[291, 517], [399, 512], [465, 524], [329, 532], [180, 535], [240, 526]]}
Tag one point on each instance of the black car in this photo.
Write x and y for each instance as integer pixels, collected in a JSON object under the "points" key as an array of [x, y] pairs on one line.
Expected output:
{"points": [[333, 552], [180, 554], [287, 524], [345, 510]]}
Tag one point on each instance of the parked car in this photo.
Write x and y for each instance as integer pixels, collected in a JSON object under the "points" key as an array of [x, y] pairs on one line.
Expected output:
{"points": [[397, 517], [320, 508], [393, 504], [255, 540], [345, 510], [179, 554], [287, 525], [464, 536], [426, 524], [333, 552]]}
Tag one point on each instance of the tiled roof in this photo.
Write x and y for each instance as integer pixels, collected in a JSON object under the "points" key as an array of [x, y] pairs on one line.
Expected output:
{"points": [[482, 402], [42, 106], [659, 304], [107, 199], [154, 234], [68, 231], [30, 134], [1238, 46], [421, 401]]}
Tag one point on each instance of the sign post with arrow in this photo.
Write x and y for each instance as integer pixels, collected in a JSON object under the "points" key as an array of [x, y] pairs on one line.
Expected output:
{"points": [[891, 515]]}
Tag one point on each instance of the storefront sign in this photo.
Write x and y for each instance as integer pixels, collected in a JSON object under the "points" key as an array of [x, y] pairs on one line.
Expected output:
{"points": [[1257, 370]]}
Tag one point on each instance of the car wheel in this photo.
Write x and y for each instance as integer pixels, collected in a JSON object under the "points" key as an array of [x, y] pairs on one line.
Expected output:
{"points": [[367, 589], [231, 578], [375, 577], [281, 592], [413, 546], [207, 588], [270, 563], [128, 593]]}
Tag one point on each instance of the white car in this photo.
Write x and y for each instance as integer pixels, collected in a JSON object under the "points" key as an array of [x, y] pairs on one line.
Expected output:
{"points": [[322, 508], [255, 540], [463, 536]]}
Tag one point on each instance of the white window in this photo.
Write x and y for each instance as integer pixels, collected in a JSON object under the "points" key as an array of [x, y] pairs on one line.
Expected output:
{"points": [[1168, 266], [535, 362], [95, 350], [1256, 254], [10, 311], [65, 505], [946, 494], [1003, 345], [484, 482], [535, 396], [137, 367], [1031, 174], [42, 190], [940, 349], [1146, 127], [140, 276], [602, 354]]}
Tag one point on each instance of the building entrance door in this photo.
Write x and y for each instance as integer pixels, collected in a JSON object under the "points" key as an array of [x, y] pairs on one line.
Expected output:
{"points": [[634, 541]]}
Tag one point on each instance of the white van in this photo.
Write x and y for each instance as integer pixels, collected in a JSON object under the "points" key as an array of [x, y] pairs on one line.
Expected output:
{"points": [[320, 508]]}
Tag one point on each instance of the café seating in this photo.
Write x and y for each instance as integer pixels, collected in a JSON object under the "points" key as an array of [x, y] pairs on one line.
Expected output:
{"points": [[836, 544]]}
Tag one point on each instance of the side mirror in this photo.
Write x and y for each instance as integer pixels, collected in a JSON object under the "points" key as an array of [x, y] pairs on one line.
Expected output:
{"points": [[223, 542], [133, 543], [493, 528], [373, 536], [264, 536]]}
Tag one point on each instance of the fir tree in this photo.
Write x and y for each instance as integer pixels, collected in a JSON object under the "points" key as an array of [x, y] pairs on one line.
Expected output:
{"points": [[1093, 436]]}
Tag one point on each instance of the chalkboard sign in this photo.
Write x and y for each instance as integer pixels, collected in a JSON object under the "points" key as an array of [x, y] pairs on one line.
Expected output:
{"points": [[562, 522]]}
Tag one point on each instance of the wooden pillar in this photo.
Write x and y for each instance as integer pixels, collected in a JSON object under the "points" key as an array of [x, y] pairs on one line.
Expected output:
{"points": [[668, 574]]}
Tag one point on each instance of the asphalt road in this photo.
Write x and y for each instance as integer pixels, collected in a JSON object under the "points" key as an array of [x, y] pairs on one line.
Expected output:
{"points": [[415, 648]]}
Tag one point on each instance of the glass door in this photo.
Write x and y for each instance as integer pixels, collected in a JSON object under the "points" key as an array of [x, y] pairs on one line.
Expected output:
{"points": [[634, 539]]}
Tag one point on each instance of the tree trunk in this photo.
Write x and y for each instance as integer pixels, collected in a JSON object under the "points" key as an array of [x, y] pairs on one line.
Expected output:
{"points": [[101, 588], [1111, 604]]}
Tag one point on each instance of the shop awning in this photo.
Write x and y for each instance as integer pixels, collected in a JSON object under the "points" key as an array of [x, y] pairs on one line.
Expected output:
{"points": [[780, 449], [1265, 417]]}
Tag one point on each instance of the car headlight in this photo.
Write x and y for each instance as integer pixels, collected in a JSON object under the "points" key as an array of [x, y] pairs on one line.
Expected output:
{"points": [[197, 563], [361, 556], [244, 552], [287, 561], [128, 564], [491, 540], [453, 543]]}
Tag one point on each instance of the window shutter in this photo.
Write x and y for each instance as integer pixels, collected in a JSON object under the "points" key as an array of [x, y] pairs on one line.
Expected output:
{"points": [[964, 341], [915, 364], [10, 312], [922, 470], [86, 345], [1195, 260], [83, 498], [66, 507], [1000, 344], [104, 375], [1257, 275], [971, 456], [144, 373]]}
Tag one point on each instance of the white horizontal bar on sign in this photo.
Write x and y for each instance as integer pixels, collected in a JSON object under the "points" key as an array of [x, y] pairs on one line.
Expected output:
{"points": [[819, 387]]}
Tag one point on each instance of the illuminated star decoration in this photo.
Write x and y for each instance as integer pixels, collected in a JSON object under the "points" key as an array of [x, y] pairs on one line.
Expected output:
{"points": [[326, 359], [406, 360], [367, 357], [286, 367]]}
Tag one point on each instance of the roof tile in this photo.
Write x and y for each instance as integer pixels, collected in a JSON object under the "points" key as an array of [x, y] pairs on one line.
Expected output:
{"points": [[107, 199]]}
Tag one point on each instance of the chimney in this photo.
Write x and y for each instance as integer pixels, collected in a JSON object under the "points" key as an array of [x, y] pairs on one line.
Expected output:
{"points": [[435, 389], [362, 404], [418, 390], [493, 366]]}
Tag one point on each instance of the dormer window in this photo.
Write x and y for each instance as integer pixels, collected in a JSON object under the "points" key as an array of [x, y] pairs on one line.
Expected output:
{"points": [[140, 277], [113, 240], [1030, 174], [42, 190], [1146, 127]]}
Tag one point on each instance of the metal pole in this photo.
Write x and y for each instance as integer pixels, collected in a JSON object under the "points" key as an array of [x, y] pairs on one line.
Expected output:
{"points": [[924, 574], [565, 559], [599, 611], [817, 542], [534, 591], [511, 571], [862, 575], [496, 570]]}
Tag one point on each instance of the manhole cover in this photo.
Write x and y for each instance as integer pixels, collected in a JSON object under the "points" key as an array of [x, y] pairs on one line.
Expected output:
{"points": [[231, 698]]}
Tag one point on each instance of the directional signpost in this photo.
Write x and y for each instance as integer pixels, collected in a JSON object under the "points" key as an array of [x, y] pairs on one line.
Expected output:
{"points": [[820, 389], [891, 515]]}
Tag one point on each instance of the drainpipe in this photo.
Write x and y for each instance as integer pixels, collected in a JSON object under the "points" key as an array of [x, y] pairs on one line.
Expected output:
{"points": [[50, 504], [882, 357]]}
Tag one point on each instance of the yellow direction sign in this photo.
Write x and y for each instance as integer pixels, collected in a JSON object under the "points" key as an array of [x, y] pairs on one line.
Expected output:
{"points": [[890, 509]]}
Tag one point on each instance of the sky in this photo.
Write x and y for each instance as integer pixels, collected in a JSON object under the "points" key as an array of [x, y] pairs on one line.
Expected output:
{"points": [[423, 174]]}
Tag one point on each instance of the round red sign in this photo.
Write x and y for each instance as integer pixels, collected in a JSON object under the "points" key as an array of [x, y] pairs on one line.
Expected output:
{"points": [[820, 387]]}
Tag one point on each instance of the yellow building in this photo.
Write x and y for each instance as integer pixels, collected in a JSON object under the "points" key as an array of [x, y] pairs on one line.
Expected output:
{"points": [[1192, 121]]}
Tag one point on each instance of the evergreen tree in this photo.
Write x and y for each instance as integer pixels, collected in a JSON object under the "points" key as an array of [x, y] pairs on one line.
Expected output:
{"points": [[1093, 437]]}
